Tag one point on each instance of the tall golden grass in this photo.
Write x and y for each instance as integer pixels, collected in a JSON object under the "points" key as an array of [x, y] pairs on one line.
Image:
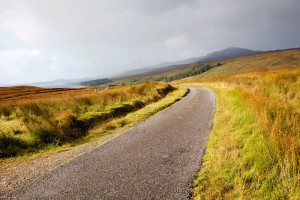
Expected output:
{"points": [[273, 101], [27, 125]]}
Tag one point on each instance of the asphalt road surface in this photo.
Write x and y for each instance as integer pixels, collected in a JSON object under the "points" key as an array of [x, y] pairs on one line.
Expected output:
{"points": [[156, 159]]}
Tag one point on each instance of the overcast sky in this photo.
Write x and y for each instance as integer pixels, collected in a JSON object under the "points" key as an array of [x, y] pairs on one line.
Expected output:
{"points": [[44, 40]]}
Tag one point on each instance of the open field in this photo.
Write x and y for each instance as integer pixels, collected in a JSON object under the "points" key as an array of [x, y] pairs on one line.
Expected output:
{"points": [[253, 151], [21, 93], [30, 123]]}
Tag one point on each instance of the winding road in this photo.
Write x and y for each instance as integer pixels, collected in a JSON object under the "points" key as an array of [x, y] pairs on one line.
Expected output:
{"points": [[156, 159]]}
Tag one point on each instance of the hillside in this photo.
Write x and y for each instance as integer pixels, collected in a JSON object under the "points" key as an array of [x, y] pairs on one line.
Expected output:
{"points": [[255, 62], [262, 61], [96, 82], [168, 66]]}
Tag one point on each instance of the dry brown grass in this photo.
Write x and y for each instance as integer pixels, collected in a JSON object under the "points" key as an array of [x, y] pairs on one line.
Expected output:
{"points": [[264, 121], [18, 93], [286, 59], [31, 123]]}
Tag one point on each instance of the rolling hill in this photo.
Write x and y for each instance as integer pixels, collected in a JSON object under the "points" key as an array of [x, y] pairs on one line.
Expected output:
{"points": [[254, 62], [258, 62], [231, 52]]}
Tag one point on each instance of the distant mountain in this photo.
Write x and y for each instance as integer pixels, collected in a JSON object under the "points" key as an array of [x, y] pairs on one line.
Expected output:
{"points": [[231, 52], [214, 56], [180, 62], [61, 83], [165, 66]]}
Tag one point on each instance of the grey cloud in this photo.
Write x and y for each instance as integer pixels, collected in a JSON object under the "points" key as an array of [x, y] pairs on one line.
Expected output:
{"points": [[157, 7], [109, 35]]}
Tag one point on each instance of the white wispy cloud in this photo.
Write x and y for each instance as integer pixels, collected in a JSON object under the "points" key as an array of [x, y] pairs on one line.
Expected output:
{"points": [[14, 62]]}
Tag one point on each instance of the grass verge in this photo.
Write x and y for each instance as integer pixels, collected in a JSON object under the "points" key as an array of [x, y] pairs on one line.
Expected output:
{"points": [[134, 117], [253, 150], [239, 162], [32, 125], [105, 130]]}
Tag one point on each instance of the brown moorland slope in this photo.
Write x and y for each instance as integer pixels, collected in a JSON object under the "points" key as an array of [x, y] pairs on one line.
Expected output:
{"points": [[256, 62], [287, 59], [20, 93]]}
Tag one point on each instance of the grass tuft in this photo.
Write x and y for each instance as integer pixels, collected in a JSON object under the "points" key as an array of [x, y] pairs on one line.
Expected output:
{"points": [[10, 146]]}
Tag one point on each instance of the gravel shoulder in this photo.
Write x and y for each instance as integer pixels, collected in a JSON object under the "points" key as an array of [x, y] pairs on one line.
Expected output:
{"points": [[156, 159]]}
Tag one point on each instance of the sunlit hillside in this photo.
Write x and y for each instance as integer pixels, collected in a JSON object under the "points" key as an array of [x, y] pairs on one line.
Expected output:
{"points": [[256, 62]]}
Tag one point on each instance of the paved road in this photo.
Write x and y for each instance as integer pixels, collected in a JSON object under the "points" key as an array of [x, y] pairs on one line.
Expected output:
{"points": [[156, 159]]}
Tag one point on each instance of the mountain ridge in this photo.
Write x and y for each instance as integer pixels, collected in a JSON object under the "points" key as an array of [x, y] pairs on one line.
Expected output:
{"points": [[230, 52]]}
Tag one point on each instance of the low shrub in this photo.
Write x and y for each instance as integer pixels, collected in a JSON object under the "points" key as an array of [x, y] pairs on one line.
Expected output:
{"points": [[10, 146]]}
